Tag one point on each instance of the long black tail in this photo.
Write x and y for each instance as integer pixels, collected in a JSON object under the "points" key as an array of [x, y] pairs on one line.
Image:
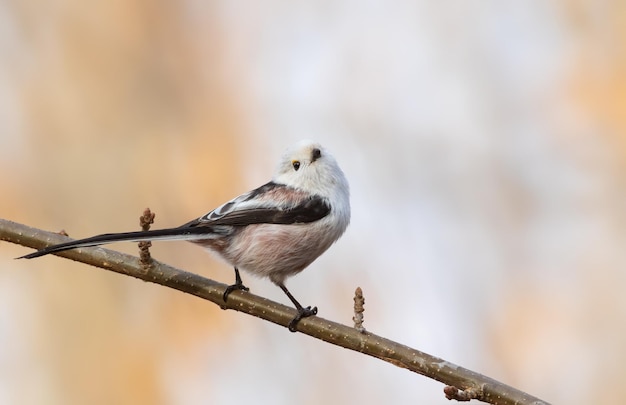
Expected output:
{"points": [[181, 233]]}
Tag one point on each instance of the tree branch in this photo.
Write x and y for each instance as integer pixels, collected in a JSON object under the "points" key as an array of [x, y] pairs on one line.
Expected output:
{"points": [[462, 384]]}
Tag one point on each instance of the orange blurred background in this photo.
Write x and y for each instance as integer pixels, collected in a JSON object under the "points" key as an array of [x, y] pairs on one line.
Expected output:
{"points": [[485, 144]]}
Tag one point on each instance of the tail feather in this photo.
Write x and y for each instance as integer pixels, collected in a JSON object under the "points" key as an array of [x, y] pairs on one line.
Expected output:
{"points": [[157, 234]]}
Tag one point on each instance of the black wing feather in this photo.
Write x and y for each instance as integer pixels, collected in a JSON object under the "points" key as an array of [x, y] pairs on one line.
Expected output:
{"points": [[310, 210]]}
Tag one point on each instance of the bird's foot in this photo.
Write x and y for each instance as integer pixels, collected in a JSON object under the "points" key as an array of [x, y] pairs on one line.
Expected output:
{"points": [[302, 313], [231, 288]]}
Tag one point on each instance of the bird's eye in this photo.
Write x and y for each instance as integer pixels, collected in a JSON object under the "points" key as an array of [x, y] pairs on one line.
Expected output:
{"points": [[296, 165]]}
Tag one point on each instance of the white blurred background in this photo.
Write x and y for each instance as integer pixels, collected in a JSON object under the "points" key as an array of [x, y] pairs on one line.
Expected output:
{"points": [[485, 143]]}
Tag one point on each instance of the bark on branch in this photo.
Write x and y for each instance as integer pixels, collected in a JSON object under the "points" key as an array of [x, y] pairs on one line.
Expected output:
{"points": [[461, 384]]}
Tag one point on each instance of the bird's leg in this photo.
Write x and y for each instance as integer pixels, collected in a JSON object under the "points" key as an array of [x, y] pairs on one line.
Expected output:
{"points": [[302, 312], [237, 286]]}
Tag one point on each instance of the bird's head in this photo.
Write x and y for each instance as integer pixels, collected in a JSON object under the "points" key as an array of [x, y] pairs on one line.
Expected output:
{"points": [[308, 166]]}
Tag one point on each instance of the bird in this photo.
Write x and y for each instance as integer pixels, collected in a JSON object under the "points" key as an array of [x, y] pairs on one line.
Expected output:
{"points": [[273, 231]]}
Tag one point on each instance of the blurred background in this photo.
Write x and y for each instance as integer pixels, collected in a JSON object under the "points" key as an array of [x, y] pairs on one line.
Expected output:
{"points": [[485, 144]]}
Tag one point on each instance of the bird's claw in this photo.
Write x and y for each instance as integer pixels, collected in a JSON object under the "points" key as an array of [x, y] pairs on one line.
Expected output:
{"points": [[302, 313], [233, 287]]}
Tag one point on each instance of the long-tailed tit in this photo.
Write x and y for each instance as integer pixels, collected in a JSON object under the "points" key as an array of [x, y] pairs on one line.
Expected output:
{"points": [[273, 231]]}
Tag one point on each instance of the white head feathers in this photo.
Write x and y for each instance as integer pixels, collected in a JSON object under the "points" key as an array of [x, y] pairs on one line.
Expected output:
{"points": [[308, 166]]}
